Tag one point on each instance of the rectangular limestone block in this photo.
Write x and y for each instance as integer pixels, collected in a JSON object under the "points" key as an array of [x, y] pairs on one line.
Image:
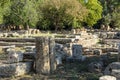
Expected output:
{"points": [[77, 51], [52, 54], [15, 56], [45, 55], [42, 61], [15, 69]]}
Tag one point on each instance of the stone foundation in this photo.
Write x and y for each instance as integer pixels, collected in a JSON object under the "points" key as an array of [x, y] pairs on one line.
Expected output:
{"points": [[15, 69]]}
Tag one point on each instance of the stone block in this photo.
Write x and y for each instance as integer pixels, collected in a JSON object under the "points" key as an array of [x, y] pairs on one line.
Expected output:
{"points": [[77, 51], [64, 40], [97, 52], [15, 69], [6, 48], [59, 60], [107, 77], [95, 67], [58, 46], [113, 69], [29, 48], [44, 59], [52, 55], [14, 56], [29, 55]]}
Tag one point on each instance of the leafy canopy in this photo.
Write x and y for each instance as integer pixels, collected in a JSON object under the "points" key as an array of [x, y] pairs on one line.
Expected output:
{"points": [[60, 12], [94, 11]]}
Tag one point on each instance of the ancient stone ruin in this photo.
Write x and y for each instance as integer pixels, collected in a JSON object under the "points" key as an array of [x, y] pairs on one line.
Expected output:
{"points": [[45, 56], [15, 65]]}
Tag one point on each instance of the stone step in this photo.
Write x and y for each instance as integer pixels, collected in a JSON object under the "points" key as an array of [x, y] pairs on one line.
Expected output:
{"points": [[17, 44], [17, 39]]}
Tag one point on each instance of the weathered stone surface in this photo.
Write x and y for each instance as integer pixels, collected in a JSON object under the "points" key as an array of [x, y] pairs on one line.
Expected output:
{"points": [[119, 52], [68, 49], [14, 56], [37, 31], [88, 51], [58, 46], [83, 58], [13, 34], [77, 51], [117, 35], [77, 37], [64, 40], [113, 69], [5, 34], [97, 52], [7, 48], [103, 35], [29, 48], [59, 60], [95, 67], [107, 77], [33, 31], [52, 55], [44, 55], [15, 69], [76, 54], [29, 55]]}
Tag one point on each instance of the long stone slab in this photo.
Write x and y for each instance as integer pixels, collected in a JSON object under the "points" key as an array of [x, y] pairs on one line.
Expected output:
{"points": [[15, 69], [17, 39], [64, 40], [17, 44]]}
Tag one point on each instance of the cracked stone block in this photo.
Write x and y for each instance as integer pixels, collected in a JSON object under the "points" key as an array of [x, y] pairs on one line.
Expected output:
{"points": [[77, 51], [15, 56], [15, 69], [113, 69], [45, 56]]}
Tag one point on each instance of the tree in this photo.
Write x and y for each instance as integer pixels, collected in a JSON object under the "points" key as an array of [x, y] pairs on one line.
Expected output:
{"points": [[23, 12], [111, 12], [59, 12], [4, 9], [115, 22], [94, 11]]}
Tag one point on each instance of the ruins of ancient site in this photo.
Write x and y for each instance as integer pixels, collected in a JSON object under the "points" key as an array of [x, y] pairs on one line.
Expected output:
{"points": [[59, 40]]}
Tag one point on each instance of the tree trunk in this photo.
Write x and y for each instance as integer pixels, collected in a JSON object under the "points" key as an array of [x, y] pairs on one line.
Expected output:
{"points": [[56, 28], [26, 27]]}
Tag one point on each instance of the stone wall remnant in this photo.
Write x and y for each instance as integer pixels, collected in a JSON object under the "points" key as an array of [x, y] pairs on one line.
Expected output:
{"points": [[15, 56], [45, 60], [113, 69], [15, 69]]}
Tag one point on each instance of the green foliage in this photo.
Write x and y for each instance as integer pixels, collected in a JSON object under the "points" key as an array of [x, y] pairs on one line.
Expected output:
{"points": [[4, 9], [116, 19], [23, 12], [59, 12], [107, 19], [94, 12], [111, 12]]}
